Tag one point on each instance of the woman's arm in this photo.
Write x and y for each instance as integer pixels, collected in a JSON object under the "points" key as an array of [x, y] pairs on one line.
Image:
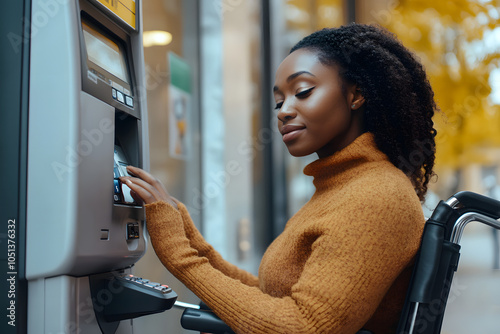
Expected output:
{"points": [[204, 249], [341, 285], [148, 189]]}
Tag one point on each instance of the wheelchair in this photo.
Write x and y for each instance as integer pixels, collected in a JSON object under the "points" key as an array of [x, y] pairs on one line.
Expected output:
{"points": [[435, 265]]}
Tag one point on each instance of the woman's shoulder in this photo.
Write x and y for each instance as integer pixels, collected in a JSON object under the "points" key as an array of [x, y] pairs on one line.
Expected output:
{"points": [[382, 203], [382, 184], [384, 175]]}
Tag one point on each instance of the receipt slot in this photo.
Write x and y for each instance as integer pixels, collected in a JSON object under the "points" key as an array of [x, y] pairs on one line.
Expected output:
{"points": [[87, 121]]}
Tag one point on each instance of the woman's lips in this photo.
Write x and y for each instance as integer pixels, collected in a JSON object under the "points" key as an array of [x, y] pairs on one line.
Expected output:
{"points": [[291, 135], [290, 132]]}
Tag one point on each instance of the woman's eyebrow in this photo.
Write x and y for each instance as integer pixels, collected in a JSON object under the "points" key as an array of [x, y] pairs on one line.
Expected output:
{"points": [[293, 76], [296, 74]]}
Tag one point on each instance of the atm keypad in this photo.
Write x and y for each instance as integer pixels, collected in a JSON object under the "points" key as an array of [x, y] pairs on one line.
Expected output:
{"points": [[163, 288]]}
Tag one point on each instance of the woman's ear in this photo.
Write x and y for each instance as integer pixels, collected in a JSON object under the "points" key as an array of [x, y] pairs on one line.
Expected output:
{"points": [[357, 99]]}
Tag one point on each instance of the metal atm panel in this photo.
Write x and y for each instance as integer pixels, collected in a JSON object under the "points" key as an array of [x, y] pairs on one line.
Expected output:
{"points": [[70, 183], [87, 116]]}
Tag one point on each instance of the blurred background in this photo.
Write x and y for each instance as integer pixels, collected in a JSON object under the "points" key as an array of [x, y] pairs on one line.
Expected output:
{"points": [[213, 139]]}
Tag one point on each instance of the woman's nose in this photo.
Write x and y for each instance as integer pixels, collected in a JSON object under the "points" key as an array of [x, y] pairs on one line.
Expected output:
{"points": [[286, 113]]}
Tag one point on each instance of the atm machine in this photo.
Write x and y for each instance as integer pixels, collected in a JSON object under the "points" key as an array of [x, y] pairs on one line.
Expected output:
{"points": [[85, 120]]}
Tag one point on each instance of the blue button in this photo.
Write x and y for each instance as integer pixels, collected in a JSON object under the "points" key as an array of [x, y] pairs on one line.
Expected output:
{"points": [[117, 186]]}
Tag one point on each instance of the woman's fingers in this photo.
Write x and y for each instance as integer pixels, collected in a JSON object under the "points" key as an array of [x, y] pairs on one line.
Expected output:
{"points": [[145, 185], [146, 194], [145, 191], [142, 174], [136, 197]]}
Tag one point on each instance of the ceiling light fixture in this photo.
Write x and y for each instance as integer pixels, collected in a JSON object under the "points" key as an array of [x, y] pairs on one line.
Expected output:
{"points": [[156, 37]]}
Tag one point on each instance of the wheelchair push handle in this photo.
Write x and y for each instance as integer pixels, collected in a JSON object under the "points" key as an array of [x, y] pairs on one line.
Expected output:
{"points": [[479, 203]]}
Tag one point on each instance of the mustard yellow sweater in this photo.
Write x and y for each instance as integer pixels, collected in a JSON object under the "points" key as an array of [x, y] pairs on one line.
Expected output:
{"points": [[341, 264]]}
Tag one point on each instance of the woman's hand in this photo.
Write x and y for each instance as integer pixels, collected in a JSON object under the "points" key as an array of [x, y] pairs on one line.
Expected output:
{"points": [[146, 188]]}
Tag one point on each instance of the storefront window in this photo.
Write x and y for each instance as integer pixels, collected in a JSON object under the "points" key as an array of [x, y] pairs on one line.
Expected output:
{"points": [[171, 61]]}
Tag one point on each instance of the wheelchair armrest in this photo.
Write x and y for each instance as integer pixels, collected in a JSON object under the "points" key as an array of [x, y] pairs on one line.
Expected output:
{"points": [[204, 320]]}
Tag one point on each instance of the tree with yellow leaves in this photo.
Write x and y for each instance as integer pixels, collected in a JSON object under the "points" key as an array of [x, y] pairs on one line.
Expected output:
{"points": [[458, 42]]}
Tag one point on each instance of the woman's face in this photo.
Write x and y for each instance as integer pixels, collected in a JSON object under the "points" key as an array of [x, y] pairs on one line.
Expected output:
{"points": [[315, 113]]}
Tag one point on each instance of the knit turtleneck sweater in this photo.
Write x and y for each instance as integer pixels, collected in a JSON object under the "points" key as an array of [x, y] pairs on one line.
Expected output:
{"points": [[342, 263]]}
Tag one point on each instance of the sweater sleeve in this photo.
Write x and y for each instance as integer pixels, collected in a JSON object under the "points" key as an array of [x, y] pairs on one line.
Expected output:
{"points": [[204, 249], [329, 296]]}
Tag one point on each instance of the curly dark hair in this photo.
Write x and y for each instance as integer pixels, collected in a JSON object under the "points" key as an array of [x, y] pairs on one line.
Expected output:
{"points": [[399, 101]]}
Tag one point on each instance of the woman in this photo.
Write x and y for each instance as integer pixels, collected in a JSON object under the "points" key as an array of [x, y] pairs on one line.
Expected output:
{"points": [[361, 101]]}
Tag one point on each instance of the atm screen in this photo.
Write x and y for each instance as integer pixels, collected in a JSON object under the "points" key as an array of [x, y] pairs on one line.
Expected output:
{"points": [[105, 53]]}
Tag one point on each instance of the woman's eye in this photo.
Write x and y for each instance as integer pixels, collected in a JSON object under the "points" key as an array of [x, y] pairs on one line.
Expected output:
{"points": [[278, 105], [304, 93]]}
